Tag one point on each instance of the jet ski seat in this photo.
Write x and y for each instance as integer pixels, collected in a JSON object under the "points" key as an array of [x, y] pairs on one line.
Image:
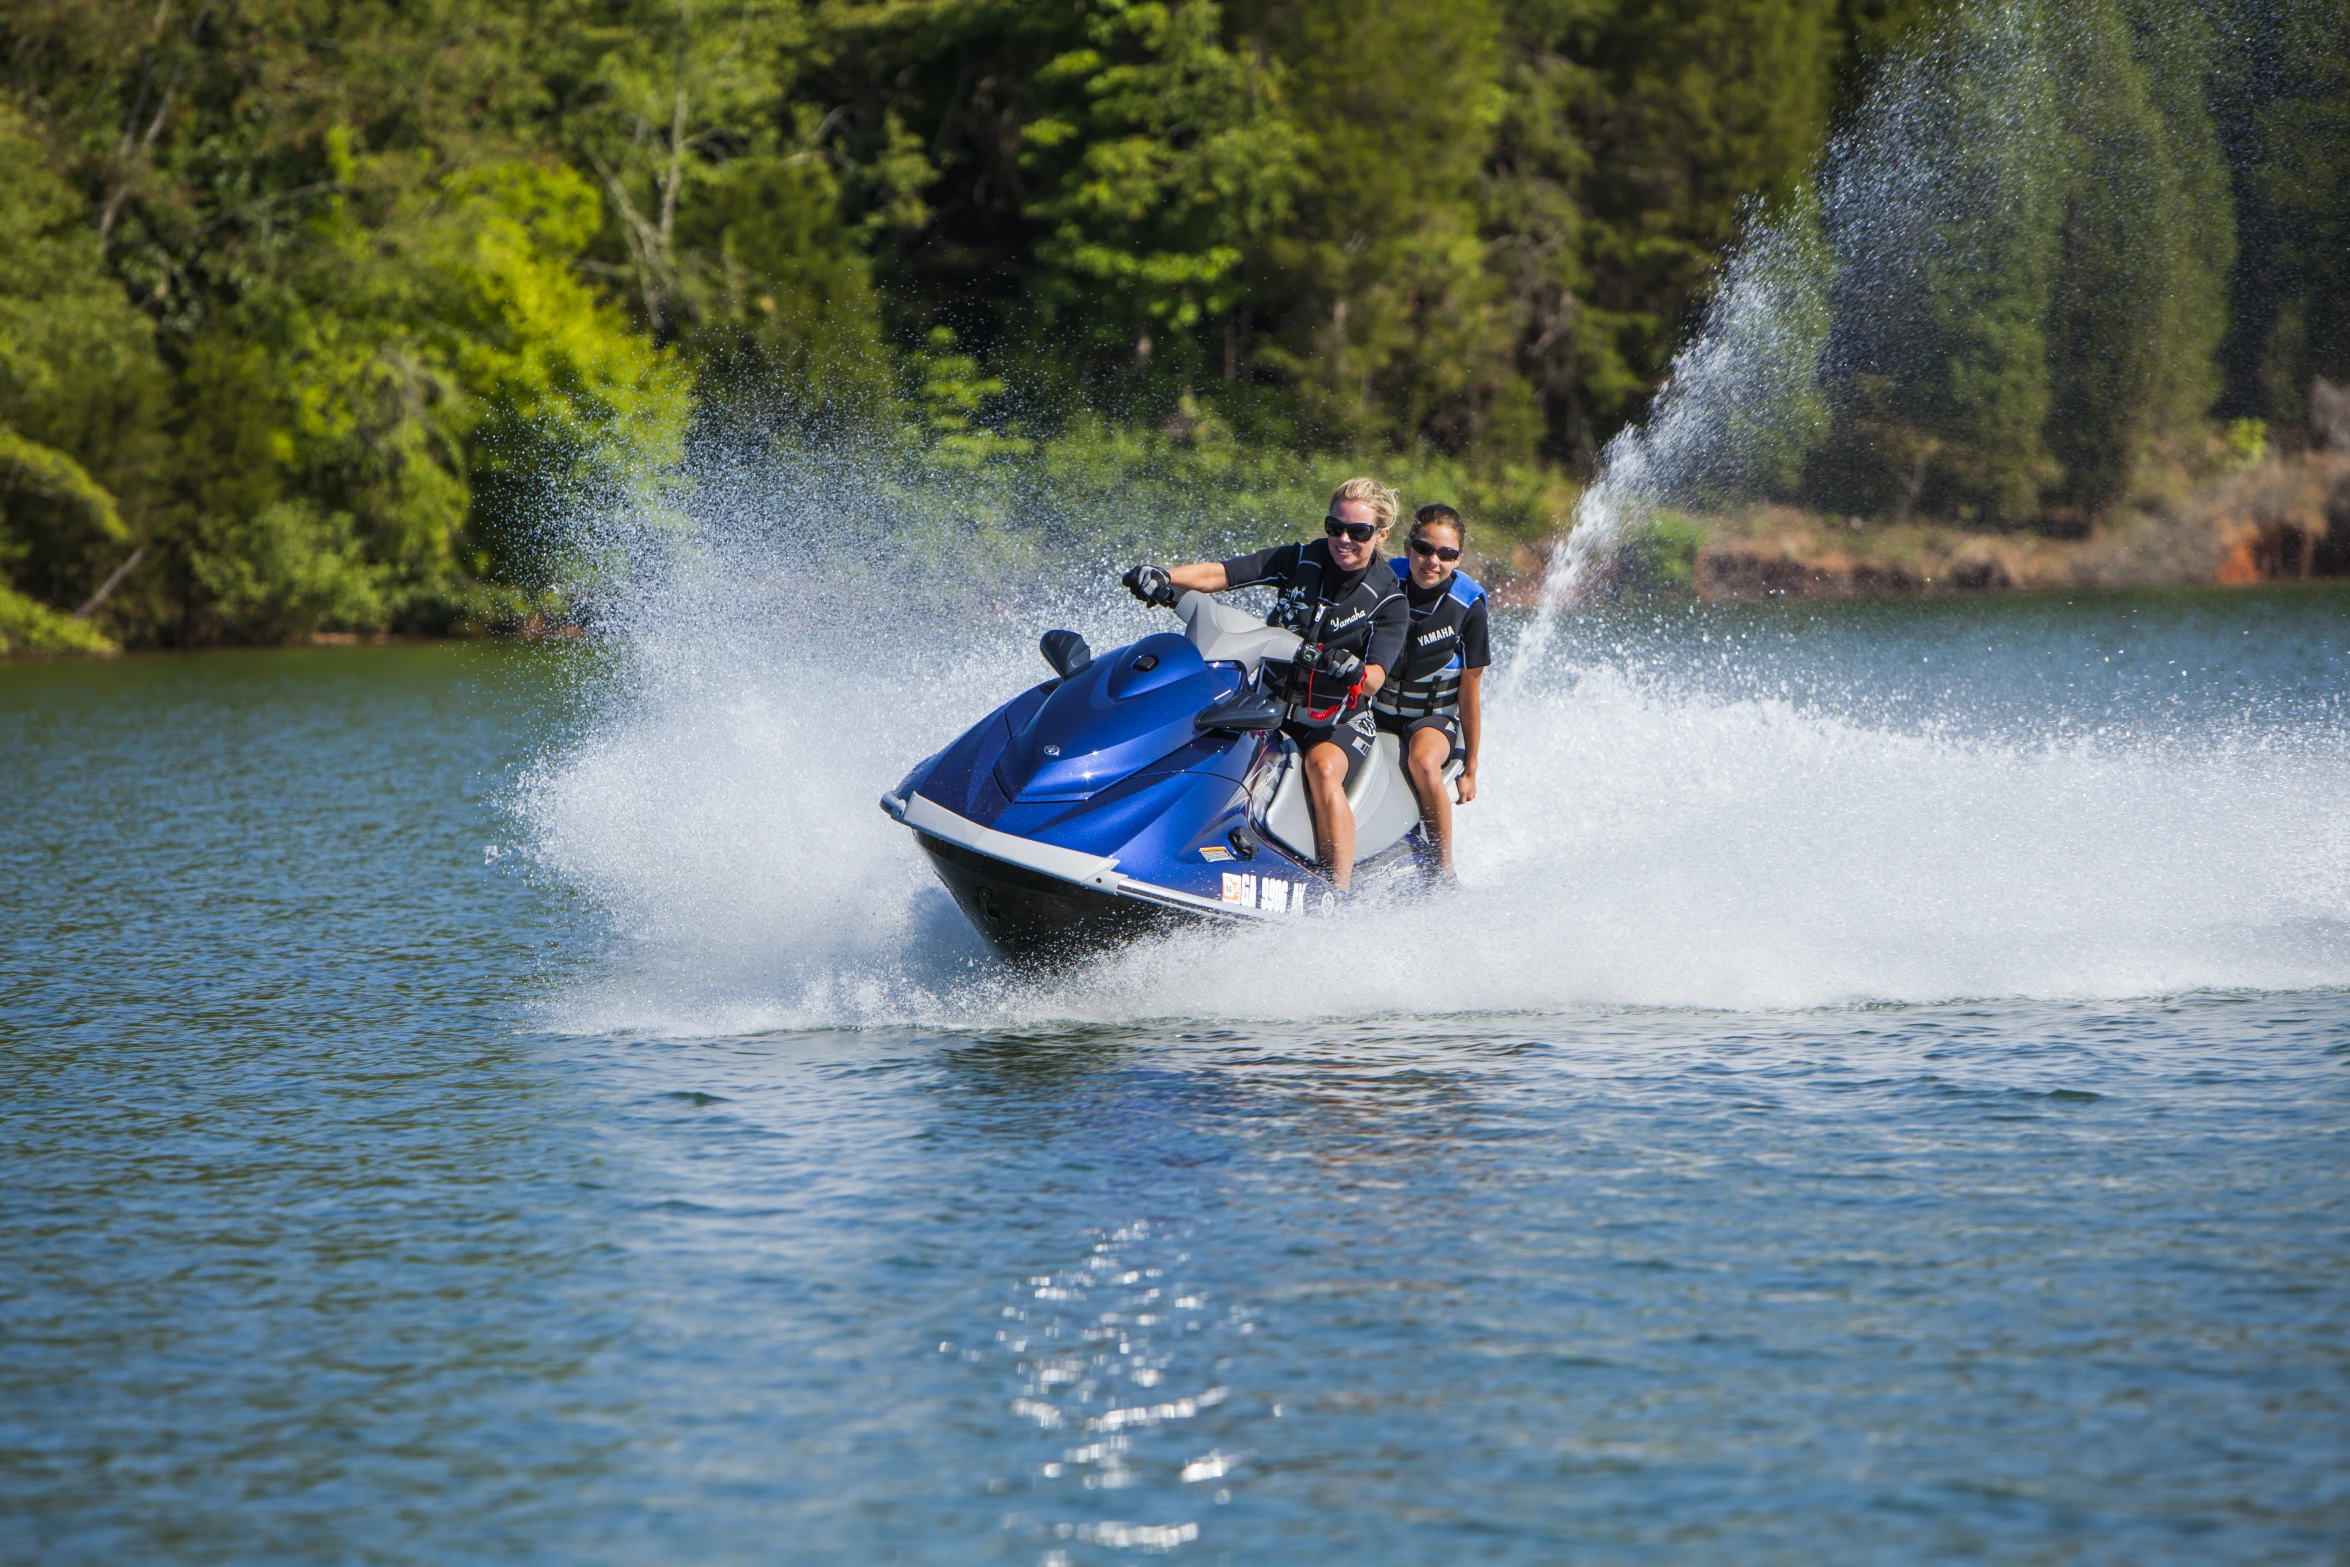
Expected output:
{"points": [[1381, 796], [1382, 800], [1384, 808]]}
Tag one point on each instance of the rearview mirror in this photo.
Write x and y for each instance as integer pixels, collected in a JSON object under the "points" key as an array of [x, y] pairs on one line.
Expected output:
{"points": [[1066, 652], [1244, 712]]}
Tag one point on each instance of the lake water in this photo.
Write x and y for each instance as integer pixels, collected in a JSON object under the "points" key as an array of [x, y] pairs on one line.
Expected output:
{"points": [[1882, 1095]]}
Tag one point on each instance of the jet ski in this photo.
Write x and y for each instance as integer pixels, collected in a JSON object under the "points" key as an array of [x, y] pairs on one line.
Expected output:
{"points": [[1145, 789]]}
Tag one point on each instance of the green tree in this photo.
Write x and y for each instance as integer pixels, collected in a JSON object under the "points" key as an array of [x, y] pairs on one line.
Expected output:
{"points": [[1393, 327], [1633, 135], [723, 203], [2286, 68], [572, 403], [409, 396], [2176, 42], [1944, 211], [364, 285], [80, 398], [1534, 213], [921, 108], [2033, 233], [1698, 106], [1161, 158], [2138, 306], [790, 313]]}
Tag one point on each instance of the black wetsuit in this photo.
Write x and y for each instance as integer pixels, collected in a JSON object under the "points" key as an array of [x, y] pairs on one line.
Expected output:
{"points": [[1450, 635], [1362, 612]]}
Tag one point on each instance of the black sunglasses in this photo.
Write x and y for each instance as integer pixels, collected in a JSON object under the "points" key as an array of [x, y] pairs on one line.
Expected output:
{"points": [[1360, 532], [1440, 551]]}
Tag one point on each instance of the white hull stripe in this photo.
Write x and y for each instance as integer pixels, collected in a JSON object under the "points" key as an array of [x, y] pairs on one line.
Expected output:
{"points": [[1086, 870]]}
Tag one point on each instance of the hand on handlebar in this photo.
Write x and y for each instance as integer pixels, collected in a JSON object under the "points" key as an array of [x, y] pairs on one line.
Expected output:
{"points": [[1338, 664], [1151, 584]]}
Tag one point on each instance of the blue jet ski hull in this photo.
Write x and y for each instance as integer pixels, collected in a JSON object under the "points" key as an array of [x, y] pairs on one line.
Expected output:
{"points": [[1095, 808], [1143, 790], [1026, 914]]}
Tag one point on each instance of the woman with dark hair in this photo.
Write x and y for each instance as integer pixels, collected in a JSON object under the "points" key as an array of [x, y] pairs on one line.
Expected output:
{"points": [[1431, 703]]}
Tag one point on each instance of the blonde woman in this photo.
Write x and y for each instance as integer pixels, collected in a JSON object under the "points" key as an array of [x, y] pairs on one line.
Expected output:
{"points": [[1337, 593]]}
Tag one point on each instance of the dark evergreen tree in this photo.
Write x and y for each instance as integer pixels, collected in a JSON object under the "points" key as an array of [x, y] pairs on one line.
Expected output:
{"points": [[1633, 134], [2284, 101], [1944, 215], [1532, 205], [1390, 324], [2148, 237]]}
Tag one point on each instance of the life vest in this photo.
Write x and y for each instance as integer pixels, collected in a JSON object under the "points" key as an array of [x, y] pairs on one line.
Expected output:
{"points": [[1345, 622], [1429, 682]]}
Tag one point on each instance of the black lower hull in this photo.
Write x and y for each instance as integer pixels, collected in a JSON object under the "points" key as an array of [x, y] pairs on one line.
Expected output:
{"points": [[1032, 918]]}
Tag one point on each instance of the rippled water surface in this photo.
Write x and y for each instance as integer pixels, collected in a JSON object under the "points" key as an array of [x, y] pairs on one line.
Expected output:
{"points": [[1883, 1095]]}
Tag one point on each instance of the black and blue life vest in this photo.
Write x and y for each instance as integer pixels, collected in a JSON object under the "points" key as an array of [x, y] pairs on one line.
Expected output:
{"points": [[1324, 605], [1429, 682], [1344, 610]]}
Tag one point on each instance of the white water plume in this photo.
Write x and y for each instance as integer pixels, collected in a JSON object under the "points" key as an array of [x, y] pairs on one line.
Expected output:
{"points": [[792, 648], [1740, 402], [1825, 291], [1636, 842]]}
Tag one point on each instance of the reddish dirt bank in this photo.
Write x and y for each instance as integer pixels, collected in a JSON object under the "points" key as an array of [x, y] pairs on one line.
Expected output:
{"points": [[2283, 518]]}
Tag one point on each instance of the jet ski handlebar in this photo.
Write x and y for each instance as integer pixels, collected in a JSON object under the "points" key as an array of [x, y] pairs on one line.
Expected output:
{"points": [[1225, 635], [1246, 710]]}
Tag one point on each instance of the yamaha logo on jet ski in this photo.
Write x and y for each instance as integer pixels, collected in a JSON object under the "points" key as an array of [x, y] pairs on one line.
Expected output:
{"points": [[1115, 798]]}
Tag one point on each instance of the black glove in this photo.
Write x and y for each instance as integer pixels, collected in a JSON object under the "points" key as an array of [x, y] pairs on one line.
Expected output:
{"points": [[1338, 664], [1151, 585]]}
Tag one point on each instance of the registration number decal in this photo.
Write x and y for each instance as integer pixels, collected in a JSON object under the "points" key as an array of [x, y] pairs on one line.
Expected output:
{"points": [[1270, 894]]}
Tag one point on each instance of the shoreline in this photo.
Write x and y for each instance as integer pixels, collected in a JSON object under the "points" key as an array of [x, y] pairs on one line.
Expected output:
{"points": [[1521, 595], [2282, 519]]}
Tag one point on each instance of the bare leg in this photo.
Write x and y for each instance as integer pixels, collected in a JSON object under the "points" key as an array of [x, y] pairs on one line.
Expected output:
{"points": [[1431, 749], [1334, 819]]}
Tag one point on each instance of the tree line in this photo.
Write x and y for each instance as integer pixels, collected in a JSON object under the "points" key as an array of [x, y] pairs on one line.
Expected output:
{"points": [[313, 312]]}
